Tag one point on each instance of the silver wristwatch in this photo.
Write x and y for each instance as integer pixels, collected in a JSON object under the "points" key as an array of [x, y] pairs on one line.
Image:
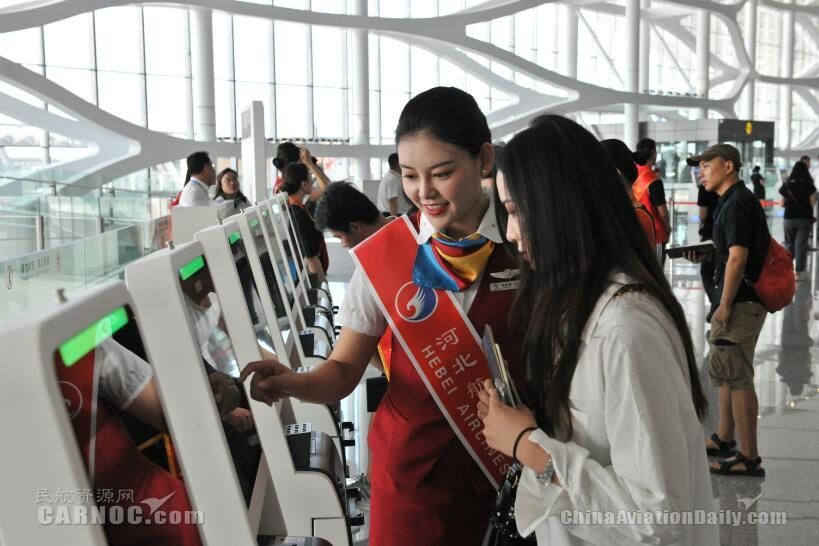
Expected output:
{"points": [[545, 477]]}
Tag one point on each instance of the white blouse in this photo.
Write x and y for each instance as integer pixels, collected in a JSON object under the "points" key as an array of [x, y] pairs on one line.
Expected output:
{"points": [[637, 445]]}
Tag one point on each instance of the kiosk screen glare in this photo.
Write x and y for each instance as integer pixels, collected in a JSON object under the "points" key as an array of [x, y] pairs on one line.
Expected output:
{"points": [[111, 398]]}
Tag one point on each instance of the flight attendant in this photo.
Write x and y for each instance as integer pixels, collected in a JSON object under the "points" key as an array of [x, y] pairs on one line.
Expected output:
{"points": [[433, 279]]}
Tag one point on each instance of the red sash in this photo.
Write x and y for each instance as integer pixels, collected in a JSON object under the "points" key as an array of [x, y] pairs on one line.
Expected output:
{"points": [[436, 335]]}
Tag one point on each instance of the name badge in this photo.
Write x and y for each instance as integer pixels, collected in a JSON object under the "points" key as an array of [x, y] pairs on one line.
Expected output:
{"points": [[503, 286]]}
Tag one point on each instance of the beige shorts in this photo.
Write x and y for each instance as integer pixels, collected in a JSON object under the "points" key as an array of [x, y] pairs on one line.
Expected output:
{"points": [[732, 346]]}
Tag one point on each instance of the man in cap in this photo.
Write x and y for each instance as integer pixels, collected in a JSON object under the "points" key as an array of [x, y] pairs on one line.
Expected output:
{"points": [[741, 238]]}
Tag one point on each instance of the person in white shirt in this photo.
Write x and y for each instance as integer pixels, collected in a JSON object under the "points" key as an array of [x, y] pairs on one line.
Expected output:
{"points": [[200, 177], [390, 198], [614, 429]]}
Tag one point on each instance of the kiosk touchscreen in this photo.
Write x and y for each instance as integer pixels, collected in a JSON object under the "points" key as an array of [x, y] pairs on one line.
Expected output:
{"points": [[107, 461], [177, 289]]}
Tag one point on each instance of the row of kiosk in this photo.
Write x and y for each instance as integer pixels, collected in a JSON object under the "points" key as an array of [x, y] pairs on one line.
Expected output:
{"points": [[122, 420]]}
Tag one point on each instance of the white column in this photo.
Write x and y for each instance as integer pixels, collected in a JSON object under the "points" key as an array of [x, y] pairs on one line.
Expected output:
{"points": [[748, 96], [254, 165], [361, 95], [631, 126], [703, 57], [568, 54], [785, 91], [204, 111], [645, 47]]}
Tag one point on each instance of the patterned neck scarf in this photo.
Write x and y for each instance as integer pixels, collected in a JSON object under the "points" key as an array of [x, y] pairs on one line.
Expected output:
{"points": [[446, 264]]}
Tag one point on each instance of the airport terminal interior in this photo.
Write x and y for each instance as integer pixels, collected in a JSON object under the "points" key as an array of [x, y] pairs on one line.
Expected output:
{"points": [[185, 363]]}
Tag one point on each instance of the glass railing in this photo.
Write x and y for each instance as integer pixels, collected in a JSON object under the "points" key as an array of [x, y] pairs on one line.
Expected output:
{"points": [[32, 223], [34, 278]]}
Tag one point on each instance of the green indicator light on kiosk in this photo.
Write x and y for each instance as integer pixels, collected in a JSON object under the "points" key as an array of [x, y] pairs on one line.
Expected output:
{"points": [[191, 268], [264, 213], [233, 237], [81, 344], [254, 223]]}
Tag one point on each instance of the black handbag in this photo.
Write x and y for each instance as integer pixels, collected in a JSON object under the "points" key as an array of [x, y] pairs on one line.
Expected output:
{"points": [[505, 531]]}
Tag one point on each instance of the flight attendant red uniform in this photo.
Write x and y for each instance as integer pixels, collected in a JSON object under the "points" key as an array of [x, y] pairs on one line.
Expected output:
{"points": [[426, 488]]}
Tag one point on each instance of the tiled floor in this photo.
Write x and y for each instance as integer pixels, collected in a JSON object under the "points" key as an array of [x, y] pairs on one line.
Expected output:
{"points": [[787, 385]]}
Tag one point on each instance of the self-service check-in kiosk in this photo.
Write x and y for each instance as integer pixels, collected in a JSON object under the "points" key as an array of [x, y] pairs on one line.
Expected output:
{"points": [[188, 220], [118, 449], [318, 290], [238, 250], [320, 343], [314, 307], [281, 208], [177, 286]]}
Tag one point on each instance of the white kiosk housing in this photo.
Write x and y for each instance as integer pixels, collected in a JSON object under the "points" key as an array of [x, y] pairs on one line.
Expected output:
{"points": [[162, 284], [63, 335]]}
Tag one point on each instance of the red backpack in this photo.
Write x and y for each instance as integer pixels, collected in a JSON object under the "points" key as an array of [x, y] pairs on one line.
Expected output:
{"points": [[776, 284]]}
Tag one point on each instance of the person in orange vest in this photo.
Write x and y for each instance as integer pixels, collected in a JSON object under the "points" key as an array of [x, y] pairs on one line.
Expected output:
{"points": [[626, 162], [649, 191]]}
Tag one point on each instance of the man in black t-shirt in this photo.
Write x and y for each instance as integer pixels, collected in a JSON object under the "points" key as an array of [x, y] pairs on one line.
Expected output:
{"points": [[741, 238]]}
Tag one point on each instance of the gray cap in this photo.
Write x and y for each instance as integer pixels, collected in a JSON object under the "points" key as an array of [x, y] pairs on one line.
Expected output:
{"points": [[725, 151]]}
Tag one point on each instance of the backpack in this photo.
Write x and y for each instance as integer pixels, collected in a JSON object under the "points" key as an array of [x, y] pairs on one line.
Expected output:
{"points": [[776, 284]]}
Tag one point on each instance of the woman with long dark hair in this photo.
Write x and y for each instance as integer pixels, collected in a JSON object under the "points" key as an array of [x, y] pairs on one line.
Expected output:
{"points": [[425, 287], [800, 202], [611, 375]]}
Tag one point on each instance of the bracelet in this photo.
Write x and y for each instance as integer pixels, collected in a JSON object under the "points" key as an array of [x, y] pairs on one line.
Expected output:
{"points": [[517, 441], [545, 477]]}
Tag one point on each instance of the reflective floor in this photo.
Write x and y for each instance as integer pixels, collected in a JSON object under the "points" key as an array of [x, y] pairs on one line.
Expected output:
{"points": [[787, 385]]}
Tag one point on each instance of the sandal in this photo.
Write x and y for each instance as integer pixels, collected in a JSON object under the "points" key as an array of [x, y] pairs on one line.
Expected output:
{"points": [[723, 449], [752, 467]]}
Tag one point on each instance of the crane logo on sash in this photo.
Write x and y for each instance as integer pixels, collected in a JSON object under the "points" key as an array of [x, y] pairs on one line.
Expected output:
{"points": [[415, 303]]}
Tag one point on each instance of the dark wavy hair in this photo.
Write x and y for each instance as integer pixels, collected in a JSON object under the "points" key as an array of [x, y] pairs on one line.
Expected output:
{"points": [[580, 226], [341, 205], [447, 113]]}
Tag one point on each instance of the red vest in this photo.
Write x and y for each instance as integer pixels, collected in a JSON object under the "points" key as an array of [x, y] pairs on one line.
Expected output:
{"points": [[426, 488], [645, 178], [119, 466], [646, 222]]}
